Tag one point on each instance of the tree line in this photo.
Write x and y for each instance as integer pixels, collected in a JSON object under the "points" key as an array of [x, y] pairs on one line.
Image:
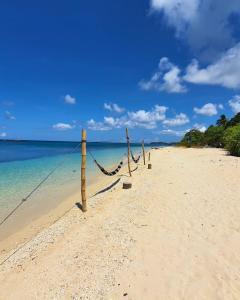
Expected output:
{"points": [[225, 134]]}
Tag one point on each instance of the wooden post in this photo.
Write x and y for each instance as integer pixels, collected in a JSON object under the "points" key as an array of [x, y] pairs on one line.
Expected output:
{"points": [[149, 163], [143, 150], [83, 170], [129, 153]]}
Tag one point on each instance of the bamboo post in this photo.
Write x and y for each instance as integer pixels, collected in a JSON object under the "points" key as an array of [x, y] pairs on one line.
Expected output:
{"points": [[149, 163], [143, 150], [83, 170], [129, 153]]}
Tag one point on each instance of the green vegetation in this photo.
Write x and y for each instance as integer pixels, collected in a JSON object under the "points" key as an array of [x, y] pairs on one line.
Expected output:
{"points": [[231, 140], [193, 138], [225, 134], [213, 136]]}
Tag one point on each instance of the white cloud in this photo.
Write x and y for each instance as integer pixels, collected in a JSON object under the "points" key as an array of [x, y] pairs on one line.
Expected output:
{"points": [[69, 99], [3, 134], [178, 12], [204, 24], [179, 120], [97, 126], [9, 116], [224, 72], [137, 119], [235, 104], [62, 126], [166, 78], [114, 107], [208, 109], [173, 132], [148, 119], [200, 127]]}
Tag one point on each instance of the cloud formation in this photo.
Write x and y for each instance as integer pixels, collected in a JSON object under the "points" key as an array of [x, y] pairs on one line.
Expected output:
{"points": [[204, 24], [200, 127], [68, 99], [114, 107], [136, 119], [179, 120], [208, 109], [223, 72], [9, 116], [63, 126], [178, 133], [235, 104], [167, 78]]}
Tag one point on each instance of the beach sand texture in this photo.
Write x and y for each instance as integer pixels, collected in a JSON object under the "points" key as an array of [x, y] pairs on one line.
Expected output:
{"points": [[174, 235]]}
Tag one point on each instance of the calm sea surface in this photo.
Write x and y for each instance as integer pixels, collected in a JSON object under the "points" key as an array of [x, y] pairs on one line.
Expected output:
{"points": [[24, 164]]}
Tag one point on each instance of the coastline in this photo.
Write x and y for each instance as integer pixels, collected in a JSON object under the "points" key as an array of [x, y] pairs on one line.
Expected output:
{"points": [[14, 236], [174, 235]]}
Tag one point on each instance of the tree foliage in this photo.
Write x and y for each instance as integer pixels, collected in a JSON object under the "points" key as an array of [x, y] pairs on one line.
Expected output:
{"points": [[193, 138], [222, 121], [234, 121], [213, 136], [225, 134], [231, 140]]}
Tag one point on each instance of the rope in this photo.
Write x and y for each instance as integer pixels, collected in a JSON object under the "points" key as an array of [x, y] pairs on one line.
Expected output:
{"points": [[112, 173], [104, 171], [36, 188], [136, 160]]}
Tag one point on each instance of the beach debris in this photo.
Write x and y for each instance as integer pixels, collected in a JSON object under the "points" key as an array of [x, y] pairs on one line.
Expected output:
{"points": [[125, 294]]}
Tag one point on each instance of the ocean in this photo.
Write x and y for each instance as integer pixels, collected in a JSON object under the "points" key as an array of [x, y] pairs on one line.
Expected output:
{"points": [[24, 164]]}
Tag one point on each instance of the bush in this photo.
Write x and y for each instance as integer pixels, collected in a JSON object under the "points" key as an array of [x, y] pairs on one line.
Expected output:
{"points": [[213, 136], [231, 140], [193, 138]]}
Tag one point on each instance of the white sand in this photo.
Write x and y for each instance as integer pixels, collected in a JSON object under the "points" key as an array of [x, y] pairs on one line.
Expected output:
{"points": [[174, 235]]}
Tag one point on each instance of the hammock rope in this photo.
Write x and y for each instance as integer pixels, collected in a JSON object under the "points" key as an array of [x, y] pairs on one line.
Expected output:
{"points": [[112, 173], [136, 160], [103, 170]]}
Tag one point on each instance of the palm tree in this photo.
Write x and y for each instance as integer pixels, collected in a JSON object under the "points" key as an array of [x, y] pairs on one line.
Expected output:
{"points": [[222, 121]]}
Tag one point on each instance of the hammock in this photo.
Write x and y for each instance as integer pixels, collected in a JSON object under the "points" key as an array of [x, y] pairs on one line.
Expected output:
{"points": [[136, 160], [112, 173]]}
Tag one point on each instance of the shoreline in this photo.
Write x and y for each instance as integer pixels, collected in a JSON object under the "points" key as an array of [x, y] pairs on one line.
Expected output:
{"points": [[45, 219], [174, 235]]}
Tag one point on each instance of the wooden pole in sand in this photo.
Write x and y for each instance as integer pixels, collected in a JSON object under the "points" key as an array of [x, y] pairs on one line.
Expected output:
{"points": [[129, 153], [143, 150], [149, 163], [83, 170]]}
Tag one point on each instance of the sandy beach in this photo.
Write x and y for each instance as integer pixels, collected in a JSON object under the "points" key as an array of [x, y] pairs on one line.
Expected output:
{"points": [[174, 235]]}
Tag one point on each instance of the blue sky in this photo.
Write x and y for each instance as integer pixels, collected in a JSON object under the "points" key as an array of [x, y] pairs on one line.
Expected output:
{"points": [[159, 67]]}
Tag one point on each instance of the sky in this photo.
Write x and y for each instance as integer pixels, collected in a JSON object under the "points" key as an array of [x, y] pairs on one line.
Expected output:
{"points": [[158, 67]]}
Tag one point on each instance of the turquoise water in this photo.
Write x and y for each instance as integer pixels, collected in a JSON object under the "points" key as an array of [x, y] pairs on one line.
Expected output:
{"points": [[24, 164]]}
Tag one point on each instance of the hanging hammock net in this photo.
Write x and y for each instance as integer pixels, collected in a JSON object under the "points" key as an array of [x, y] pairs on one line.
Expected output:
{"points": [[112, 173], [136, 160]]}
